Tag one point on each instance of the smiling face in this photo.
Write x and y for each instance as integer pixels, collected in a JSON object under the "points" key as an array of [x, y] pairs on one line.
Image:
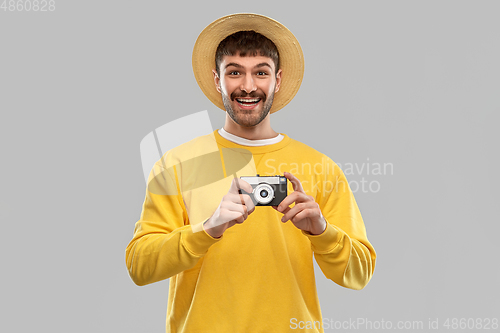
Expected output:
{"points": [[247, 85]]}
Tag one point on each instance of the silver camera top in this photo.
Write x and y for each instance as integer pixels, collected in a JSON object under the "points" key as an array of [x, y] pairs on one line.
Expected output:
{"points": [[275, 180]]}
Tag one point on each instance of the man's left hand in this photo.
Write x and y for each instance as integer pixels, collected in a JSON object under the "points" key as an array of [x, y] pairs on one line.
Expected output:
{"points": [[306, 214]]}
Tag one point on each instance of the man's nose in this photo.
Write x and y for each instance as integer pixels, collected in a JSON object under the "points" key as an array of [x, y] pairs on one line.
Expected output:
{"points": [[248, 84]]}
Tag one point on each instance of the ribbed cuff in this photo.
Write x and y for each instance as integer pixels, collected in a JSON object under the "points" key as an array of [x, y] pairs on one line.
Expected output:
{"points": [[326, 241]]}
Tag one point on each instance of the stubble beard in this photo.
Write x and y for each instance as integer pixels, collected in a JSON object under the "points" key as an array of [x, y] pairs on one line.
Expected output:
{"points": [[247, 118]]}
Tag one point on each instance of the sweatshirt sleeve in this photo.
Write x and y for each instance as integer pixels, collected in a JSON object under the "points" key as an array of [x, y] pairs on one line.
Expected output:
{"points": [[164, 243], [342, 251]]}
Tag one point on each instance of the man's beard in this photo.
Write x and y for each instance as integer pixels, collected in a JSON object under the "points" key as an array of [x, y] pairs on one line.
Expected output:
{"points": [[245, 117]]}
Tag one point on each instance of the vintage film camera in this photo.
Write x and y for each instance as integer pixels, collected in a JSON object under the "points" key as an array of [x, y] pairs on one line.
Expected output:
{"points": [[267, 190]]}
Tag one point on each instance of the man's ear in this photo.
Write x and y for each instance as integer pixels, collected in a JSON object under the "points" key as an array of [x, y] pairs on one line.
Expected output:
{"points": [[216, 80], [278, 81]]}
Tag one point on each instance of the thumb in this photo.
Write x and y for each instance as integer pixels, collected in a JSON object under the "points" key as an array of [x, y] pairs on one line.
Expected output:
{"points": [[238, 183]]}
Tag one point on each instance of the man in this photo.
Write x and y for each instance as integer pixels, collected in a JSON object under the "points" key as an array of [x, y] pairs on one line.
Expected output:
{"points": [[235, 267]]}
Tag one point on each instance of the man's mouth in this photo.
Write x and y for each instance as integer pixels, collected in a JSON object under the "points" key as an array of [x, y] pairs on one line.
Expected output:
{"points": [[248, 101]]}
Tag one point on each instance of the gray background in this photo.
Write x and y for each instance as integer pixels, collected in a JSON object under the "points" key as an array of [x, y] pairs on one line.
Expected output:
{"points": [[412, 83]]}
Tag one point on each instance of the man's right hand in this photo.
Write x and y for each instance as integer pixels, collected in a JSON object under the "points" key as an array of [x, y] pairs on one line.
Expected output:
{"points": [[234, 208]]}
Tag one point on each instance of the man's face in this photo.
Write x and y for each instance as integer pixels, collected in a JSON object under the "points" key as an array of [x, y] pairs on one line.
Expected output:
{"points": [[247, 85]]}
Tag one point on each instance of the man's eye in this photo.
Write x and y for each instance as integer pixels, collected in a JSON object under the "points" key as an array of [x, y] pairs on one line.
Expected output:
{"points": [[262, 73], [234, 73]]}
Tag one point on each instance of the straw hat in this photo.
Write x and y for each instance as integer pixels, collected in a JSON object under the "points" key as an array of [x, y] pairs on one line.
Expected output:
{"points": [[291, 56]]}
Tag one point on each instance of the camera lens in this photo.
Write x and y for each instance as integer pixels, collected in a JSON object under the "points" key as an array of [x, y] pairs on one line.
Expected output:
{"points": [[264, 193]]}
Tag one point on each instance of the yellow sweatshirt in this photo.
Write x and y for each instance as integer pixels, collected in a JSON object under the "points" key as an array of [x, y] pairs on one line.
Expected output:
{"points": [[259, 276]]}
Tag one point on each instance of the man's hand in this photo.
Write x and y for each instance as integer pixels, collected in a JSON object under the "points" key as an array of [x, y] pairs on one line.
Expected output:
{"points": [[234, 208], [306, 214]]}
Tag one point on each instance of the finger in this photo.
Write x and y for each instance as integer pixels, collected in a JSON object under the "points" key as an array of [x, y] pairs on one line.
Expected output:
{"points": [[240, 220], [242, 199], [291, 198], [237, 197], [303, 214], [284, 212], [292, 212], [232, 208], [249, 203], [227, 216], [233, 222], [287, 209], [297, 185]]}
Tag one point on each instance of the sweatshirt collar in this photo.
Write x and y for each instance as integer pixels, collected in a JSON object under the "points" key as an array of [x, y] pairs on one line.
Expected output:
{"points": [[247, 142], [269, 145]]}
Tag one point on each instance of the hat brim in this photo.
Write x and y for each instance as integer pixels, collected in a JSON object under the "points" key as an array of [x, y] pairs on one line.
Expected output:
{"points": [[291, 56]]}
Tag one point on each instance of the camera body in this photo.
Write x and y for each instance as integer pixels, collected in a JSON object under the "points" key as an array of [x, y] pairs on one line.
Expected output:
{"points": [[267, 190]]}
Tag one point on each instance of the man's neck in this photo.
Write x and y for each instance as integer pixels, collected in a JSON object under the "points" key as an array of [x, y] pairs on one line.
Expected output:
{"points": [[260, 132]]}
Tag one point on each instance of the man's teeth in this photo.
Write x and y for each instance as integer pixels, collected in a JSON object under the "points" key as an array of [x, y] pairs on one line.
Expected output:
{"points": [[248, 100]]}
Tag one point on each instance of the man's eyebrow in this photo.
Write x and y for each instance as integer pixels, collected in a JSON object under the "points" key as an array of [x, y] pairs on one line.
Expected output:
{"points": [[234, 65], [262, 64]]}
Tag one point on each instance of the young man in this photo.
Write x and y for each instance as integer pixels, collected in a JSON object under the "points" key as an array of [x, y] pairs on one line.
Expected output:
{"points": [[235, 267]]}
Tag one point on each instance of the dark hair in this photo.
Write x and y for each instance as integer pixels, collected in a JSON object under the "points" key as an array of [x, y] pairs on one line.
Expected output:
{"points": [[247, 43]]}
